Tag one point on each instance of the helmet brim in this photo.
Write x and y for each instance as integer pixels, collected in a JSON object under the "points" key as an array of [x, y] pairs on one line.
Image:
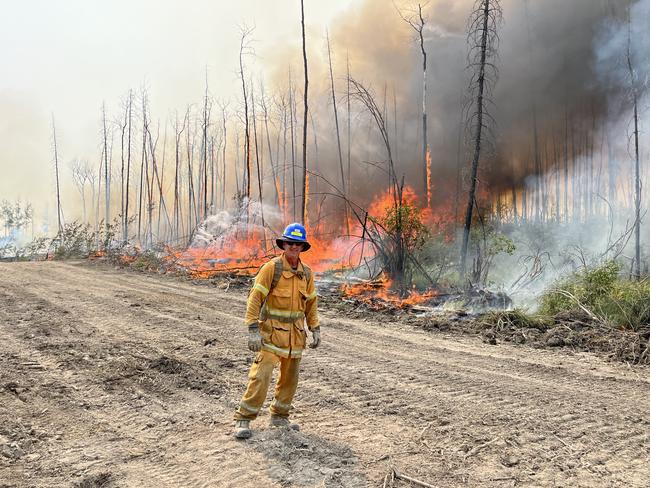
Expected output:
{"points": [[280, 240]]}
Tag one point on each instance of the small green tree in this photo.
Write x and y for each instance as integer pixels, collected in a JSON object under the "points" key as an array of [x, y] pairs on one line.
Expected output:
{"points": [[398, 234]]}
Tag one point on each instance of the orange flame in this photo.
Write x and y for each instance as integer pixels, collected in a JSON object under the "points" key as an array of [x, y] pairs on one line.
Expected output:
{"points": [[243, 252], [378, 294]]}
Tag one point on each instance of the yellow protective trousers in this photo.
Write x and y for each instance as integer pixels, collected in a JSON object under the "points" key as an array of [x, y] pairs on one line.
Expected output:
{"points": [[259, 379]]}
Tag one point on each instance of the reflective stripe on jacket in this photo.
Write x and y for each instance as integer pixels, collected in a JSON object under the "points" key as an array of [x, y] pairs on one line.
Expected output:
{"points": [[283, 310]]}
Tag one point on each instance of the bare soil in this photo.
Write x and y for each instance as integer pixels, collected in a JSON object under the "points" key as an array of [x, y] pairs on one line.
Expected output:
{"points": [[111, 378]]}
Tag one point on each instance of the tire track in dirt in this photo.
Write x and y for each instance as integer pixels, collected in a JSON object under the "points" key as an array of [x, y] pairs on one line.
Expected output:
{"points": [[373, 390], [138, 422], [459, 386]]}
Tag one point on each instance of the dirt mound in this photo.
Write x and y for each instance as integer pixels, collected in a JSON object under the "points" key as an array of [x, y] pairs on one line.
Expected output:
{"points": [[166, 365]]}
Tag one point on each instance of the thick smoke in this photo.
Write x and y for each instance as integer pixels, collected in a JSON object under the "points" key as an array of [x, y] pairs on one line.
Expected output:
{"points": [[563, 82], [550, 76]]}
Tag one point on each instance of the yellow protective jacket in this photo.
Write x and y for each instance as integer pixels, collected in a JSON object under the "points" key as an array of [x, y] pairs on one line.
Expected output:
{"points": [[282, 311]]}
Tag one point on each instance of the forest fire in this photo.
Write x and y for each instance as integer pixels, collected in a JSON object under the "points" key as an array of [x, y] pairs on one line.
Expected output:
{"points": [[242, 252], [237, 254], [378, 294]]}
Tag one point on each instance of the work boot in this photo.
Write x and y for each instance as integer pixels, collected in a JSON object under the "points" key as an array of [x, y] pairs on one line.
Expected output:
{"points": [[283, 422], [242, 429]]}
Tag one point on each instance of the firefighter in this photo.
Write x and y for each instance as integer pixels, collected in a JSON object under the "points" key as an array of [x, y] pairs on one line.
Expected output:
{"points": [[281, 302]]}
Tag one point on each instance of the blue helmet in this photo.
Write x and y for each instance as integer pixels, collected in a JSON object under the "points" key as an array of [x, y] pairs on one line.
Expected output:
{"points": [[294, 233]]}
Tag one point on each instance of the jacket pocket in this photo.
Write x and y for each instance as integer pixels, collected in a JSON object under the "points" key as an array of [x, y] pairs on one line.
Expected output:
{"points": [[303, 299], [299, 337], [280, 299], [281, 335]]}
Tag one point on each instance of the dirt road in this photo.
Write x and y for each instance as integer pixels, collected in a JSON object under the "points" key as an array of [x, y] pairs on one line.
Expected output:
{"points": [[118, 379]]}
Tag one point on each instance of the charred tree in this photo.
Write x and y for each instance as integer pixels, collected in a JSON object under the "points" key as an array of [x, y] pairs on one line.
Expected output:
{"points": [[265, 111], [417, 21], [244, 49], [177, 223], [338, 134], [107, 171], [123, 127], [482, 39], [59, 211], [305, 115], [258, 163], [634, 94], [292, 116], [223, 155], [349, 127], [204, 126], [125, 230]]}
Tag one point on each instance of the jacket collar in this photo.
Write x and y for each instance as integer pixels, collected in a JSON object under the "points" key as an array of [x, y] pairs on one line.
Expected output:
{"points": [[287, 267]]}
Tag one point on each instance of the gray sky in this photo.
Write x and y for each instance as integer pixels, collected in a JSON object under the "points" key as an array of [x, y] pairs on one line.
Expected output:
{"points": [[66, 57]]}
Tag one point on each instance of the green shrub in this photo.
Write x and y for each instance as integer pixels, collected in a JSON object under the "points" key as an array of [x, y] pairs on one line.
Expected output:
{"points": [[602, 292]]}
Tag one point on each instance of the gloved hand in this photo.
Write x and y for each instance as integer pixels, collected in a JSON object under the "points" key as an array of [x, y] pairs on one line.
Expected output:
{"points": [[254, 338], [315, 336]]}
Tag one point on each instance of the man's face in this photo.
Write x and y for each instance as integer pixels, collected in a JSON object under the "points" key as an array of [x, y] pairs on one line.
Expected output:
{"points": [[292, 249]]}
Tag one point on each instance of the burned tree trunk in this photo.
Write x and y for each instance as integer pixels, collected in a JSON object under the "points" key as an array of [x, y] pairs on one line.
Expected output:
{"points": [[274, 173], [338, 134], [258, 163], [125, 231], [59, 212], [417, 21], [305, 115], [107, 184], [244, 48], [293, 145], [205, 125], [482, 39], [637, 174]]}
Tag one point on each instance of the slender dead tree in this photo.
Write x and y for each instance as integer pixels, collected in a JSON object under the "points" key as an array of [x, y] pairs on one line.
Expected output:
{"points": [[265, 111], [349, 169], [634, 94], [285, 105], [144, 170], [416, 19], [482, 40], [123, 126], [178, 131], [107, 171], [537, 197], [245, 49], [258, 163], [205, 125], [125, 235], [338, 135], [59, 211], [160, 175], [224, 117], [192, 217], [292, 115], [305, 115]]}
